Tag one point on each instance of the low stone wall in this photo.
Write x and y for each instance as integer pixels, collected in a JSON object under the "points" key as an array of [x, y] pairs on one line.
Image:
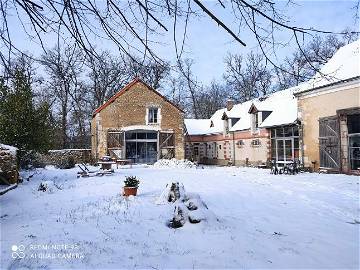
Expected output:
{"points": [[54, 157], [9, 173]]}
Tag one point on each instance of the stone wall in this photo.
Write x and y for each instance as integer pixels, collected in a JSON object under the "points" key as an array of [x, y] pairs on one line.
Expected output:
{"points": [[8, 165], [54, 157]]}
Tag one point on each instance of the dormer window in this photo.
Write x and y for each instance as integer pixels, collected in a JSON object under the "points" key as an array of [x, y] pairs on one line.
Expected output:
{"points": [[153, 115]]}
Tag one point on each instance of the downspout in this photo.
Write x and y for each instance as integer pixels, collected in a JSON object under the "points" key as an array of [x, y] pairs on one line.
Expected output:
{"points": [[233, 139], [301, 131]]}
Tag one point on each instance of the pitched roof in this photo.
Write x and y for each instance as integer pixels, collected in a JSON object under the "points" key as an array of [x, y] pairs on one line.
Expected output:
{"points": [[281, 104], [128, 87], [197, 126], [344, 65]]}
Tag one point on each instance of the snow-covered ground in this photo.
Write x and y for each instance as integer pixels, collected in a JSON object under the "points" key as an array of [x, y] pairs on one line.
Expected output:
{"points": [[258, 220]]}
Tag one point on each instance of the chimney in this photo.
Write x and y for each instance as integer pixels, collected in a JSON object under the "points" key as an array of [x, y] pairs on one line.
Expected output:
{"points": [[229, 104]]}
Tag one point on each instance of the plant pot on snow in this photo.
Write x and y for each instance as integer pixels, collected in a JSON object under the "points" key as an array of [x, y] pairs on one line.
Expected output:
{"points": [[131, 186]]}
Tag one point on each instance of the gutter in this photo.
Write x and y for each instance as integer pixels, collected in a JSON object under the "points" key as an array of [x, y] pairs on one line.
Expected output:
{"points": [[297, 94]]}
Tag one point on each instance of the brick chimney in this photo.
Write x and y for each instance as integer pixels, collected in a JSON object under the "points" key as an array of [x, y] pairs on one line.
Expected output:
{"points": [[229, 104]]}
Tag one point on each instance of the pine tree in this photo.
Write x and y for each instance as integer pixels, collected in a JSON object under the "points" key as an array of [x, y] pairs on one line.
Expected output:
{"points": [[22, 124]]}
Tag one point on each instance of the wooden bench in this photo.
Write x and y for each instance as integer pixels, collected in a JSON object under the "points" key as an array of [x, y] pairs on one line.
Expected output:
{"points": [[122, 162], [106, 165]]}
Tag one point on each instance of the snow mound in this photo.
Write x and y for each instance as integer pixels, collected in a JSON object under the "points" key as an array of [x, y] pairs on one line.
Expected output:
{"points": [[174, 163], [7, 148], [171, 193]]}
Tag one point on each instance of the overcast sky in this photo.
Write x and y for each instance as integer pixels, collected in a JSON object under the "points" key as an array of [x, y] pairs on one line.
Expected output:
{"points": [[208, 44]]}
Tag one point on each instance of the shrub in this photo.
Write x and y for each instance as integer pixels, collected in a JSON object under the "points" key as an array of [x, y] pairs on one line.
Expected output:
{"points": [[131, 181], [65, 162]]}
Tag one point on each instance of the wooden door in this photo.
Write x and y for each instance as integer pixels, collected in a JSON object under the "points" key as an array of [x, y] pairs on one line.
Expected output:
{"points": [[167, 145], [115, 143], [329, 142]]}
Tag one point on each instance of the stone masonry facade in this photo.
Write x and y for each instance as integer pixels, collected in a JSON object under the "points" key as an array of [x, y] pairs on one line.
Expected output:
{"points": [[8, 166], [129, 110]]}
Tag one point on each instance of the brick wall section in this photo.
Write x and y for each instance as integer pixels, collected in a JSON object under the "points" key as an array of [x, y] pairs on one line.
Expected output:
{"points": [[129, 109]]}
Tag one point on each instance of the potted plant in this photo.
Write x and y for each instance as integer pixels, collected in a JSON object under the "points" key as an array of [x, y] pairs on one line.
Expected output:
{"points": [[131, 186]]}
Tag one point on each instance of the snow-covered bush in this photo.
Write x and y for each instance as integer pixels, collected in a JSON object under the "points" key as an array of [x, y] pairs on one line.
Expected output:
{"points": [[65, 162], [174, 163], [32, 159], [47, 186]]}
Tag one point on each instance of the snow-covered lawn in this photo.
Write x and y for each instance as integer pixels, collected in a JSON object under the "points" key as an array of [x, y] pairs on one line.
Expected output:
{"points": [[261, 221]]}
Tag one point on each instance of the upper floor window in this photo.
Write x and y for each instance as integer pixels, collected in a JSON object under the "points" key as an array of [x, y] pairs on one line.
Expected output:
{"points": [[153, 115]]}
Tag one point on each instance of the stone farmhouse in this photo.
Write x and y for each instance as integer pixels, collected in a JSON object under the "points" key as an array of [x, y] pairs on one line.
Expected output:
{"points": [[138, 123], [315, 123]]}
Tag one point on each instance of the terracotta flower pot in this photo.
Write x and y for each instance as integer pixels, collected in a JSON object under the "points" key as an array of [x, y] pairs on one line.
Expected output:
{"points": [[130, 191]]}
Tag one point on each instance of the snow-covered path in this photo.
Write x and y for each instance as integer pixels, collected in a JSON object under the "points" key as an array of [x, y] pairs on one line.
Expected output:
{"points": [[261, 221]]}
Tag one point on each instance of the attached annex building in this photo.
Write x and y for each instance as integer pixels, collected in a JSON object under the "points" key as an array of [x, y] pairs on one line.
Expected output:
{"points": [[138, 123], [316, 123], [249, 133]]}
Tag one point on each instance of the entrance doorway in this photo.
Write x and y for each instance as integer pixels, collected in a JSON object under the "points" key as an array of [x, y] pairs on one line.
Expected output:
{"points": [[141, 146], [353, 122], [285, 144]]}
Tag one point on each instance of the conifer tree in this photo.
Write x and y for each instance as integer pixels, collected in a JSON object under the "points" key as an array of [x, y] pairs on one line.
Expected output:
{"points": [[22, 124]]}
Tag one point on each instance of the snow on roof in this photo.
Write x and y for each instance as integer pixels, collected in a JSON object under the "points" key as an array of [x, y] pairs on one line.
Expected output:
{"points": [[343, 65], [8, 148], [242, 112], [217, 122], [197, 126], [281, 104]]}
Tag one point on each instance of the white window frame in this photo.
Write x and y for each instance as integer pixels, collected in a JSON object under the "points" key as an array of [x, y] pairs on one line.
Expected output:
{"points": [[158, 115]]}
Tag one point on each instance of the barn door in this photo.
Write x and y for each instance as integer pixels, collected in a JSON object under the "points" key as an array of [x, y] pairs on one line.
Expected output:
{"points": [[329, 143], [167, 145], [115, 143]]}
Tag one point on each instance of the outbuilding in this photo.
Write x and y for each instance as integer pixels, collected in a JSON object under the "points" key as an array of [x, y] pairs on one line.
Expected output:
{"points": [[138, 123]]}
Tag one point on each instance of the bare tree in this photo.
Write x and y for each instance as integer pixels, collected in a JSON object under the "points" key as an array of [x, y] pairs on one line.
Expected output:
{"points": [[131, 25], [247, 79], [107, 74], [190, 84], [63, 67], [152, 72], [304, 64], [210, 99]]}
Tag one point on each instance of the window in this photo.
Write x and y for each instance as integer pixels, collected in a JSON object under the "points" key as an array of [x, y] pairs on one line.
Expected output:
{"points": [[353, 122], [240, 143], [255, 142], [153, 116], [285, 143], [234, 121]]}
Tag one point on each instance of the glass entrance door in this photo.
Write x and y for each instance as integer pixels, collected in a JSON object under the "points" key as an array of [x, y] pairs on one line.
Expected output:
{"points": [[354, 151], [284, 149], [141, 147]]}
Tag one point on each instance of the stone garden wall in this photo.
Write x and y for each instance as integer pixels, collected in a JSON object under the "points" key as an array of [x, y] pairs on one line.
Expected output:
{"points": [[8, 165], [65, 158]]}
